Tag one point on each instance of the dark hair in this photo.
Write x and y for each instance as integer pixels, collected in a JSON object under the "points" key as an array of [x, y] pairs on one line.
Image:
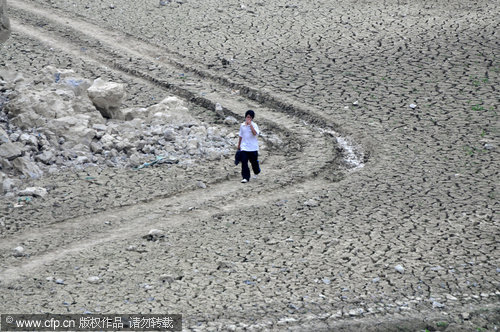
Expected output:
{"points": [[251, 113]]}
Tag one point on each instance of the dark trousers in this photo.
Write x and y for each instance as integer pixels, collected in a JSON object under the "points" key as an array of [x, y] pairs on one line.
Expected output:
{"points": [[253, 157]]}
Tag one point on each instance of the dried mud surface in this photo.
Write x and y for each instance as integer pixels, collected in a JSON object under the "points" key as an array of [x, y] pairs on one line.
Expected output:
{"points": [[313, 244]]}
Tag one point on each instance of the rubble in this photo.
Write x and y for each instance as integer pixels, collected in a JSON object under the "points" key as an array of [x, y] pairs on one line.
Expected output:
{"points": [[66, 121]]}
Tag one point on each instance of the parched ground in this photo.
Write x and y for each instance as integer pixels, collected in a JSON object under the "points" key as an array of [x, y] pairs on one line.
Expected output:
{"points": [[313, 244]]}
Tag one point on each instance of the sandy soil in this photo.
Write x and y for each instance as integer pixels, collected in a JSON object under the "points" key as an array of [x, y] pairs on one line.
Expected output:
{"points": [[314, 242]]}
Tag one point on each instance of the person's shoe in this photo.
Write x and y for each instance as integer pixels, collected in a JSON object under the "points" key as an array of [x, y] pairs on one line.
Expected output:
{"points": [[254, 177], [244, 181]]}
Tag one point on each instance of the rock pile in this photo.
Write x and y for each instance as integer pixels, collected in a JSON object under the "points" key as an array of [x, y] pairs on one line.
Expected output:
{"points": [[58, 120]]}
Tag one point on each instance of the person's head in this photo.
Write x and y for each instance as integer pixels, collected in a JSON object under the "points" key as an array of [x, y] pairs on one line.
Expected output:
{"points": [[250, 113]]}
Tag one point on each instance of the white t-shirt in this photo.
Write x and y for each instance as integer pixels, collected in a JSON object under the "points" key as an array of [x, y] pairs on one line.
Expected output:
{"points": [[248, 139]]}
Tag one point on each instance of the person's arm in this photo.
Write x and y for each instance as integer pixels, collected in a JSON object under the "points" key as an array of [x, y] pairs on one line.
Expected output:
{"points": [[254, 132], [239, 143]]}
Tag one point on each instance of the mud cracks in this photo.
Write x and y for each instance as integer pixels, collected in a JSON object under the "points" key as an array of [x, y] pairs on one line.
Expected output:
{"points": [[311, 245]]}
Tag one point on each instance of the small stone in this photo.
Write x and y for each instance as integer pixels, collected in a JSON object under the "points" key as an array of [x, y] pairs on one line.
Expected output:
{"points": [[488, 146], [355, 103], [154, 235], [28, 139], [413, 106], [465, 315], [18, 252], [399, 268], [224, 266], [34, 191], [326, 281], [436, 304], [131, 248], [166, 278], [356, 312], [451, 297], [374, 280], [60, 281], [201, 185], [94, 280], [169, 134], [230, 120], [99, 127], [311, 203]]}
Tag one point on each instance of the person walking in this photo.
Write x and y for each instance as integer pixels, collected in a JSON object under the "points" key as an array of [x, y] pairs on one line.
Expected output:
{"points": [[249, 146]]}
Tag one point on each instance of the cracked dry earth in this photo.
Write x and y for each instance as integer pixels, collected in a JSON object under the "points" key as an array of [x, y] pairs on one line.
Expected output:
{"points": [[313, 244]]}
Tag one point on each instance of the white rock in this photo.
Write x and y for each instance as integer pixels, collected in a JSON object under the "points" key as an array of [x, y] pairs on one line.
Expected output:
{"points": [[154, 234], [34, 191], [99, 127], [230, 120], [436, 304], [131, 248], [28, 139], [356, 312], [94, 280], [355, 103], [413, 106], [311, 203], [107, 97], [18, 252], [399, 268]]}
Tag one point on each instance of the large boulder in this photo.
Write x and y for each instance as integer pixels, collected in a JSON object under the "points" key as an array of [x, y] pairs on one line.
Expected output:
{"points": [[4, 22], [107, 97]]}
